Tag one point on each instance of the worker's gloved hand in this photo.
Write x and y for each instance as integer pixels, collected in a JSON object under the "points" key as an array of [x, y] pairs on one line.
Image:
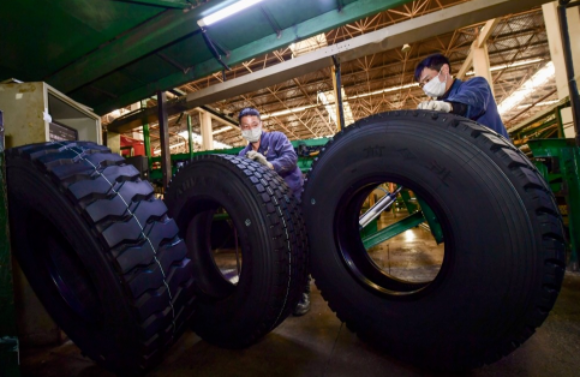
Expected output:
{"points": [[255, 156], [441, 106]]}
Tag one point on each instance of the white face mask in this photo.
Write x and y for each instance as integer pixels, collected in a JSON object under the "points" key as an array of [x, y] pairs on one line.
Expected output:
{"points": [[435, 88], [252, 135]]}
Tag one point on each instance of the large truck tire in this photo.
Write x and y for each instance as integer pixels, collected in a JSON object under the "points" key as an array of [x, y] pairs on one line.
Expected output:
{"points": [[504, 255], [270, 233], [99, 251]]}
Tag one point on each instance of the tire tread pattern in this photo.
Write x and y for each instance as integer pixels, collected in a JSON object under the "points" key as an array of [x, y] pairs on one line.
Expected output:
{"points": [[288, 234], [542, 203], [140, 241]]}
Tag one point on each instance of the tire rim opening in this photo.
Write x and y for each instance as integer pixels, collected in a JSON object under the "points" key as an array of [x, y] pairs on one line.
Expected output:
{"points": [[213, 241], [225, 246], [66, 270], [390, 238]]}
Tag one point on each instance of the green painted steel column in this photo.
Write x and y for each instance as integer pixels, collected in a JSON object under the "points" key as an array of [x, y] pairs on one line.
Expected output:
{"points": [[146, 131], [560, 123], [8, 338], [393, 230], [567, 151], [432, 221], [190, 130]]}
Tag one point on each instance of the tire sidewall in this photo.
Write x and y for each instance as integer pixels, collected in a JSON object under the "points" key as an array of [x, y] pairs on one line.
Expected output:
{"points": [[482, 210], [249, 305], [32, 190]]}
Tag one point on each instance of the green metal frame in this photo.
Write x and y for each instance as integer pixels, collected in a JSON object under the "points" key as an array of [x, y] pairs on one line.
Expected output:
{"points": [[393, 230], [9, 349], [565, 183], [424, 214], [304, 163], [547, 124], [432, 221], [93, 67], [370, 235]]}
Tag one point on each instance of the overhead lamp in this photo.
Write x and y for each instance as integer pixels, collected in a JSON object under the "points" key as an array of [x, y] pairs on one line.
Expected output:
{"points": [[386, 90], [540, 78], [328, 100], [284, 112], [226, 12], [508, 66], [222, 130], [539, 104]]}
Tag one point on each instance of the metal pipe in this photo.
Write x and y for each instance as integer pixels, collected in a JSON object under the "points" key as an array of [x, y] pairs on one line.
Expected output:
{"points": [[213, 49], [572, 84], [164, 138], [190, 130], [339, 92], [378, 208], [146, 133]]}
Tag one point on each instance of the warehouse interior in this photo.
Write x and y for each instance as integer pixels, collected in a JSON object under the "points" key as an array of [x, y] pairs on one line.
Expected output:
{"points": [[161, 83]]}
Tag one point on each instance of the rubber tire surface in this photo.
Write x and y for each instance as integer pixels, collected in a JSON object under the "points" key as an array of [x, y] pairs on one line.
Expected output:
{"points": [[504, 253], [273, 242], [82, 219]]}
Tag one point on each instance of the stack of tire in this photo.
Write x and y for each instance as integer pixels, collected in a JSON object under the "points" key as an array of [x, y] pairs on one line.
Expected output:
{"points": [[108, 263], [123, 274]]}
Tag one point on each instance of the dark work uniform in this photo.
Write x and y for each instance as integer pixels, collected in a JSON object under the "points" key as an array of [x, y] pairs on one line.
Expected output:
{"points": [[473, 99], [278, 150]]}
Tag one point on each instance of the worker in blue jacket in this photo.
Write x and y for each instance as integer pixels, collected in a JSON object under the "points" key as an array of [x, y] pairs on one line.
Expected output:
{"points": [[472, 99], [274, 150]]}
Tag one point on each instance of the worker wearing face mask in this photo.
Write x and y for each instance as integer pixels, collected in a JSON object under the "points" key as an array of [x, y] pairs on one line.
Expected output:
{"points": [[274, 151], [472, 99]]}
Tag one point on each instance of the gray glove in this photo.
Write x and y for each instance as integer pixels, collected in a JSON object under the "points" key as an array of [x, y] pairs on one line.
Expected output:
{"points": [[441, 106], [255, 156]]}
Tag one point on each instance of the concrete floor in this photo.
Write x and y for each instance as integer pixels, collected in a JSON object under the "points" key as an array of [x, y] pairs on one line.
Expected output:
{"points": [[318, 344]]}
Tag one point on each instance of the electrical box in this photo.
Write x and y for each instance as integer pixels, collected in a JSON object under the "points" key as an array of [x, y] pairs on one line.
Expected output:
{"points": [[35, 112]]}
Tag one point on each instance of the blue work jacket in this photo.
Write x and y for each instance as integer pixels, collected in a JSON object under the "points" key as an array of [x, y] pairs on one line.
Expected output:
{"points": [[278, 150], [481, 105]]}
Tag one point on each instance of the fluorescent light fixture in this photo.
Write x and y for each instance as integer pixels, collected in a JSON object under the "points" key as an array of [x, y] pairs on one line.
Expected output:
{"points": [[544, 103], [222, 130], [513, 65], [284, 112], [541, 77], [226, 12], [328, 100], [386, 90]]}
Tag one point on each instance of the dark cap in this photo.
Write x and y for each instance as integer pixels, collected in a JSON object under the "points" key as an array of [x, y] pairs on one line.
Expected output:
{"points": [[248, 111]]}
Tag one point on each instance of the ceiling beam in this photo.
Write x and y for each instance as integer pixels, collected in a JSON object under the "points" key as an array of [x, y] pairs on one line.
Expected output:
{"points": [[487, 31], [177, 26], [481, 40], [394, 36], [158, 32]]}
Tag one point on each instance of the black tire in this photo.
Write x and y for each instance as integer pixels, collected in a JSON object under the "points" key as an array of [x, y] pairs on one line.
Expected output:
{"points": [[504, 247], [99, 251], [272, 237]]}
